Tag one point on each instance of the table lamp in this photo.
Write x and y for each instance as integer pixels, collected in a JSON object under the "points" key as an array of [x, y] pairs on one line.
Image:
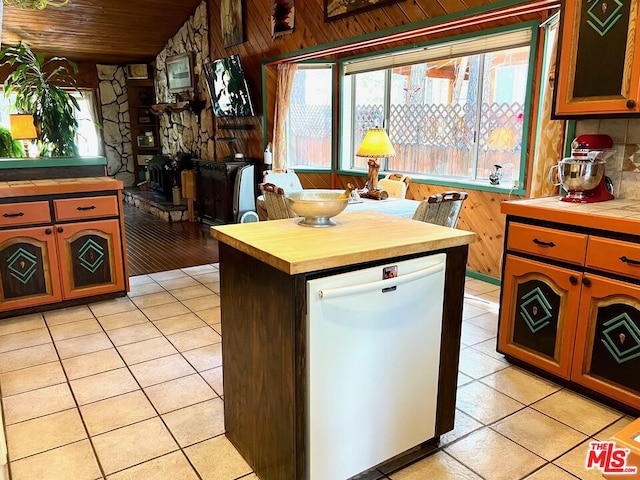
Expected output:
{"points": [[376, 144], [22, 128]]}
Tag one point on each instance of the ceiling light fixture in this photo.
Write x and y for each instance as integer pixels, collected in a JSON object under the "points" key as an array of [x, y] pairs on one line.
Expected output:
{"points": [[35, 4]]}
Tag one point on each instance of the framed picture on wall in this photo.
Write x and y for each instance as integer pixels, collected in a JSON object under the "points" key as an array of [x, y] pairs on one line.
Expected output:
{"points": [[137, 71], [335, 9], [231, 22], [179, 73]]}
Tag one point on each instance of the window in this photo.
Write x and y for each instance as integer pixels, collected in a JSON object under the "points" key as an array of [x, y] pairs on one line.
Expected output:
{"points": [[452, 111], [88, 139], [309, 120]]}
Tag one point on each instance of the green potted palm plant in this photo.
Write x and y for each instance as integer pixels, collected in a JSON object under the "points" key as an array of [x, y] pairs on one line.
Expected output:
{"points": [[42, 88], [9, 148]]}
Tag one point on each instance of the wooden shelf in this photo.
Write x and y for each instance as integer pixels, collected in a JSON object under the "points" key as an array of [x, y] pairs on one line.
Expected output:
{"points": [[195, 106], [141, 95]]}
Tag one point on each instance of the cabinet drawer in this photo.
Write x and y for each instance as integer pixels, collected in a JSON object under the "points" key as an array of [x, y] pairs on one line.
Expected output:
{"points": [[549, 243], [86, 207], [614, 256], [26, 213]]}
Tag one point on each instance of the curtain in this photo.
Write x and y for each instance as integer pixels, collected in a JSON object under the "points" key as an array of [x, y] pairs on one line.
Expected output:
{"points": [[286, 74], [549, 133], [88, 118]]}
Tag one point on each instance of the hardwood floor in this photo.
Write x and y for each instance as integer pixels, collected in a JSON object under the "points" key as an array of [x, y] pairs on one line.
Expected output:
{"points": [[154, 245]]}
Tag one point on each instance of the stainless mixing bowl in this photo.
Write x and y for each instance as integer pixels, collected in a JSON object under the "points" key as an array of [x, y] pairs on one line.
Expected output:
{"points": [[317, 206], [577, 175]]}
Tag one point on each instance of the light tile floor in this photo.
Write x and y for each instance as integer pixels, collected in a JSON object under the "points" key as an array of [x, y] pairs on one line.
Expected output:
{"points": [[132, 389]]}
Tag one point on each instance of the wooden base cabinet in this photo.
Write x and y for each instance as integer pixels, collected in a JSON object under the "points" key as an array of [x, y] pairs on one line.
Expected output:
{"points": [[28, 268], [567, 309], [60, 247], [539, 311], [92, 258], [607, 353]]}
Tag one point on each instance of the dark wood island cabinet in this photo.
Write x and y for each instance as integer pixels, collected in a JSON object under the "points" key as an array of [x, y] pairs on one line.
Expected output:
{"points": [[265, 270]]}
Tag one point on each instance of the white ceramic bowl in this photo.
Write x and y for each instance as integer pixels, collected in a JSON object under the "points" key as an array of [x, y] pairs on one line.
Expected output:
{"points": [[317, 206]]}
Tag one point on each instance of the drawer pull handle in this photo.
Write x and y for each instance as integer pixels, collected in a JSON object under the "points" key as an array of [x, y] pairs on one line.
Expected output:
{"points": [[48, 231], [11, 215], [543, 244], [586, 282], [92, 207], [629, 260], [573, 280], [60, 229]]}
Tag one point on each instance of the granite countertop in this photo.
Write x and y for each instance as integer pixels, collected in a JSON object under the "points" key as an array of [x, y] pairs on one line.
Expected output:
{"points": [[22, 188], [621, 215], [358, 237], [50, 162]]}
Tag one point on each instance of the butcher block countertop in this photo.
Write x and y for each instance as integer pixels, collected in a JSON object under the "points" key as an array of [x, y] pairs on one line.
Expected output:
{"points": [[23, 188], [614, 215], [358, 237]]}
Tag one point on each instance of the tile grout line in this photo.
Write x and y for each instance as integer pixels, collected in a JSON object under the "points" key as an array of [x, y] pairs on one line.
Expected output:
{"points": [[158, 415]]}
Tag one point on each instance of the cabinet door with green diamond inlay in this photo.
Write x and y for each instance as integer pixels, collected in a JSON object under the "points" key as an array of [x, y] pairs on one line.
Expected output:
{"points": [[607, 357], [598, 29], [28, 268], [92, 262], [538, 314]]}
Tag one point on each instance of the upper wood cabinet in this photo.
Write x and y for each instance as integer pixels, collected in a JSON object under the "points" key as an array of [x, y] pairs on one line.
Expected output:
{"points": [[598, 68]]}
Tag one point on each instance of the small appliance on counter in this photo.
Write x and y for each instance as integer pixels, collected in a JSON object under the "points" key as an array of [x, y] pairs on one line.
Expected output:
{"points": [[582, 175]]}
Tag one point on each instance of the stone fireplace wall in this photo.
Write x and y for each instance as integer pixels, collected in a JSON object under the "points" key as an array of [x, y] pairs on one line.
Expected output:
{"points": [[185, 131], [115, 122]]}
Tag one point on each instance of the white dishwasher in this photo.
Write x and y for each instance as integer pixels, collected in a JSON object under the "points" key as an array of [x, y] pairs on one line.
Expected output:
{"points": [[373, 362]]}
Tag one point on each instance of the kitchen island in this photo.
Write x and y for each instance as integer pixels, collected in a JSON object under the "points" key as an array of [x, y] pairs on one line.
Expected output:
{"points": [[265, 270]]}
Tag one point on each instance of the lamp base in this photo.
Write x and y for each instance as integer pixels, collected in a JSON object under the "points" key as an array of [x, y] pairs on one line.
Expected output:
{"points": [[375, 194]]}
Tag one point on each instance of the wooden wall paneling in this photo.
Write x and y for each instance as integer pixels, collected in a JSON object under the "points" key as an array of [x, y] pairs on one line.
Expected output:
{"points": [[386, 18], [481, 211], [314, 180], [480, 214], [87, 76], [423, 10]]}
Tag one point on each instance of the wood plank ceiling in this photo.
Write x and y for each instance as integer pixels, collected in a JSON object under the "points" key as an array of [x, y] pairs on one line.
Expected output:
{"points": [[100, 31]]}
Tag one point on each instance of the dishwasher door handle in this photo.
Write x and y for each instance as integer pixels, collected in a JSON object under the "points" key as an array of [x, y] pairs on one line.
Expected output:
{"points": [[388, 283]]}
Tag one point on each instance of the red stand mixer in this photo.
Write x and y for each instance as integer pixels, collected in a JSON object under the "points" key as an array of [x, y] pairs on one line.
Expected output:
{"points": [[582, 174]]}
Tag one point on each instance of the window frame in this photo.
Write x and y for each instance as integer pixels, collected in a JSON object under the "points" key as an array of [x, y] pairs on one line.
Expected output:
{"points": [[346, 147], [310, 64]]}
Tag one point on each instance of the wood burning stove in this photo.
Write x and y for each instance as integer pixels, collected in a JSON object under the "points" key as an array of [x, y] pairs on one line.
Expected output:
{"points": [[164, 172], [160, 175]]}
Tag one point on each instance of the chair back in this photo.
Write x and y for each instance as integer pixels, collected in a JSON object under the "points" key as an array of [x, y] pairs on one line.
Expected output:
{"points": [[275, 203], [287, 180], [441, 208], [395, 184]]}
